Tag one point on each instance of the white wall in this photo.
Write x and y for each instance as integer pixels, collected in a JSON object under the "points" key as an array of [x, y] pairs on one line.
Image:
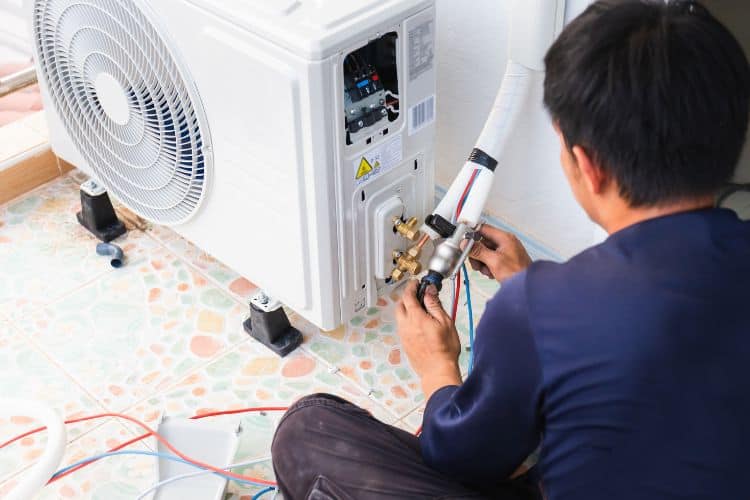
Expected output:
{"points": [[530, 192], [736, 16], [14, 39]]}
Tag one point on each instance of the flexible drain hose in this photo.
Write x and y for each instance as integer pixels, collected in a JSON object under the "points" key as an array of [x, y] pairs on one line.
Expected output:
{"points": [[113, 251], [33, 480]]}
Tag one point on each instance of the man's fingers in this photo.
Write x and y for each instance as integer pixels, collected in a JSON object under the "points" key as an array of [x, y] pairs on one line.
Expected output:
{"points": [[409, 298], [434, 307], [496, 236], [400, 310], [477, 265], [481, 253]]}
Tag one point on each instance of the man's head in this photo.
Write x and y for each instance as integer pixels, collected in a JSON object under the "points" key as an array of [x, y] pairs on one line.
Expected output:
{"points": [[651, 101]]}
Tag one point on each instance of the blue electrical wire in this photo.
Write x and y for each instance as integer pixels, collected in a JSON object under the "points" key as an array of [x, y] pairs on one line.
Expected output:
{"points": [[467, 287], [262, 492], [165, 456]]}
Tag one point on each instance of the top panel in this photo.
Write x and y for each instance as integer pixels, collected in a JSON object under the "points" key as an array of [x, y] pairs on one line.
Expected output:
{"points": [[313, 29]]}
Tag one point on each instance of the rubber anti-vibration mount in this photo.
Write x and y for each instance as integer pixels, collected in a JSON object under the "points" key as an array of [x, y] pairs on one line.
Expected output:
{"points": [[273, 330], [97, 213]]}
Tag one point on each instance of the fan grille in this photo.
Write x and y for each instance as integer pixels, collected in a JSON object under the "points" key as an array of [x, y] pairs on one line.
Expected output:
{"points": [[125, 103]]}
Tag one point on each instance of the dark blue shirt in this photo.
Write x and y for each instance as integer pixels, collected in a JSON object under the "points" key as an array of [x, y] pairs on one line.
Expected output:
{"points": [[630, 364]]}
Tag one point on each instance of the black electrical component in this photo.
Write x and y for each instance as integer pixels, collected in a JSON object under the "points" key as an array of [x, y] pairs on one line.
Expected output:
{"points": [[440, 225], [365, 94]]}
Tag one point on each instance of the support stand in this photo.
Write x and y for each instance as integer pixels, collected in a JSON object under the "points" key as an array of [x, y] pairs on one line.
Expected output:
{"points": [[269, 325], [97, 213]]}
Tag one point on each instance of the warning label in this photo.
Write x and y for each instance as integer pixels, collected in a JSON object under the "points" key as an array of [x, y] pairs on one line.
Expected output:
{"points": [[364, 168], [378, 160]]}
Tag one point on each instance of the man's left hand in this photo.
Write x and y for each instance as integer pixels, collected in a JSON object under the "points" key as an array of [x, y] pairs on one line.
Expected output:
{"points": [[429, 339]]}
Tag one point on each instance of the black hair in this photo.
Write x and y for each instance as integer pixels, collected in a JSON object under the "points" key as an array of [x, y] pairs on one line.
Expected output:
{"points": [[655, 92]]}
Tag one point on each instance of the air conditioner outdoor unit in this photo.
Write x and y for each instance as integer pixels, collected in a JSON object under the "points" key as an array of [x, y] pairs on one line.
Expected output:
{"points": [[281, 136]]}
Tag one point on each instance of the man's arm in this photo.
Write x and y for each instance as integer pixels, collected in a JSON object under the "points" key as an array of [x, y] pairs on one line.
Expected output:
{"points": [[429, 339], [482, 430]]}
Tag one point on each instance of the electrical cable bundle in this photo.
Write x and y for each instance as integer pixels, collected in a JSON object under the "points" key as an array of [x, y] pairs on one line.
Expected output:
{"points": [[456, 290], [176, 455]]}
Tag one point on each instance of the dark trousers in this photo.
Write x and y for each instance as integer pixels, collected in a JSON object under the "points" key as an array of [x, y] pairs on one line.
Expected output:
{"points": [[326, 448]]}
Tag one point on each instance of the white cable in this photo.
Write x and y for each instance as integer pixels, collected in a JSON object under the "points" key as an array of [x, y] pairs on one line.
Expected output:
{"points": [[33, 480], [158, 485]]}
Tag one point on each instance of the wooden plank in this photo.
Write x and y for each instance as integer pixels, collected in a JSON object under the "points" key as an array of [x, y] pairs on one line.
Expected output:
{"points": [[32, 170]]}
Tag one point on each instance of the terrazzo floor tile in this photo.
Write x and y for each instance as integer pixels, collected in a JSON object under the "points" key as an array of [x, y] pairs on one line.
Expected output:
{"points": [[482, 285], [226, 278], [27, 373], [250, 376], [45, 253], [114, 478], [134, 331], [367, 351], [413, 421]]}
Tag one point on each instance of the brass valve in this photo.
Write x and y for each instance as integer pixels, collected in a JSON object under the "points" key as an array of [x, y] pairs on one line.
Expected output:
{"points": [[407, 229], [407, 263]]}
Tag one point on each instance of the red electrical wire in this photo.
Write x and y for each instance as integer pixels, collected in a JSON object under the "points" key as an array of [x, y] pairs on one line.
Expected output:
{"points": [[459, 208], [454, 312], [144, 436], [174, 450], [150, 433], [462, 200]]}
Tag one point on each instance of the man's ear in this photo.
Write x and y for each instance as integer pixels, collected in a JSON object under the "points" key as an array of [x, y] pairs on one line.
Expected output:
{"points": [[593, 175]]}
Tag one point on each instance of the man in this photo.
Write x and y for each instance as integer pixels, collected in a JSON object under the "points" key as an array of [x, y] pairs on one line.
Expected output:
{"points": [[627, 365]]}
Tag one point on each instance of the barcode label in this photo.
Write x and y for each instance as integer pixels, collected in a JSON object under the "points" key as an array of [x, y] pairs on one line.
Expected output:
{"points": [[421, 115]]}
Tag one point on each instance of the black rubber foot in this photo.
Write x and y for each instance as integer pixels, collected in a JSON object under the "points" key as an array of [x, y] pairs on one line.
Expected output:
{"points": [[273, 330], [98, 215]]}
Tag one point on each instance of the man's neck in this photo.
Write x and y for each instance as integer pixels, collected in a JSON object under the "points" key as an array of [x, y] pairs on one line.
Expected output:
{"points": [[623, 216]]}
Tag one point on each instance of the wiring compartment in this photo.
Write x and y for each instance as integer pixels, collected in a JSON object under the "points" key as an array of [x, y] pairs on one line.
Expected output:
{"points": [[371, 88]]}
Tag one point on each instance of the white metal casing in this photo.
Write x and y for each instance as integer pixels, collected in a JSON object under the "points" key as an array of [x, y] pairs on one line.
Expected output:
{"points": [[283, 207]]}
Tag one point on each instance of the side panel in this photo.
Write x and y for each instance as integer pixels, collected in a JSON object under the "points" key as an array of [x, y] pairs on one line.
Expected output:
{"points": [[262, 213]]}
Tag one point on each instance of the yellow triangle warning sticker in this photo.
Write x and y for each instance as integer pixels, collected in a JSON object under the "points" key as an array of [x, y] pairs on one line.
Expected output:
{"points": [[364, 168]]}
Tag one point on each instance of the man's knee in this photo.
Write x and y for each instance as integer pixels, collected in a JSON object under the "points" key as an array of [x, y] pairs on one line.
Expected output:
{"points": [[297, 439], [308, 413]]}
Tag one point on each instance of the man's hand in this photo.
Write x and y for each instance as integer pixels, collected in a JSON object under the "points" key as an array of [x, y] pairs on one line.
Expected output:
{"points": [[499, 255], [429, 339]]}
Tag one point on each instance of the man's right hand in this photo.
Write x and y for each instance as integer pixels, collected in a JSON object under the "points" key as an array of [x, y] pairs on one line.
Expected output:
{"points": [[499, 255]]}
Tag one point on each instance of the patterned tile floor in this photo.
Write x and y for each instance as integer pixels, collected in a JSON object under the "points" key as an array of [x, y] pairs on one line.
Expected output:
{"points": [[163, 335]]}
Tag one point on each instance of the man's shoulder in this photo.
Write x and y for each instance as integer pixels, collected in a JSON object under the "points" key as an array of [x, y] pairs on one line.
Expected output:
{"points": [[583, 266], [546, 275]]}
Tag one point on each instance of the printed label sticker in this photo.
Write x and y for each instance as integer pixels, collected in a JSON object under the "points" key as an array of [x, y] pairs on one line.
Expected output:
{"points": [[378, 160]]}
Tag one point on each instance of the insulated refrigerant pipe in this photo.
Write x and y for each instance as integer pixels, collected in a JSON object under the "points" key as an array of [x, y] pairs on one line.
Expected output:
{"points": [[33, 480], [534, 25]]}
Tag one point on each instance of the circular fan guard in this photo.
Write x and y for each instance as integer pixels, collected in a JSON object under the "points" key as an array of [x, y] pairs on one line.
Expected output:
{"points": [[120, 92]]}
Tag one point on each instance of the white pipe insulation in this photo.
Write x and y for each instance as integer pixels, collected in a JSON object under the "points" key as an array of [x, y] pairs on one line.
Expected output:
{"points": [[534, 26], [33, 480], [496, 136]]}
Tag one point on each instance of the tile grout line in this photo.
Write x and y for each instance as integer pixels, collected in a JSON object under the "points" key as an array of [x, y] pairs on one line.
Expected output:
{"points": [[106, 409], [99, 408], [198, 270], [72, 291], [173, 385], [335, 370]]}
